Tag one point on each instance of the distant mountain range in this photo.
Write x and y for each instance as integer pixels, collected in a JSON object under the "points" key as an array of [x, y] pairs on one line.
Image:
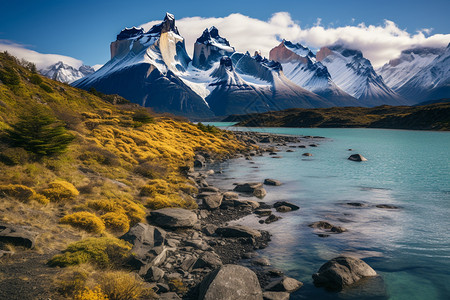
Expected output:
{"points": [[65, 73], [153, 69]]}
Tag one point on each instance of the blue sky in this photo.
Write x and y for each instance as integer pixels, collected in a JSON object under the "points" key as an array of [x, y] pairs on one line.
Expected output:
{"points": [[84, 29]]}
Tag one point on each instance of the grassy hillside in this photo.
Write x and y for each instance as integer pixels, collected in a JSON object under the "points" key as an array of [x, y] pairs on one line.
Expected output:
{"points": [[76, 166], [428, 117]]}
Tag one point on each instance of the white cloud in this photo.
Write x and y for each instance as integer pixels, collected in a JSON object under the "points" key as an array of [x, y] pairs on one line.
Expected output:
{"points": [[39, 59], [378, 43]]}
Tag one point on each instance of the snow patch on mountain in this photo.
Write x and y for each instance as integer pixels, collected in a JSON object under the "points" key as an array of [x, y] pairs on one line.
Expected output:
{"points": [[65, 73]]}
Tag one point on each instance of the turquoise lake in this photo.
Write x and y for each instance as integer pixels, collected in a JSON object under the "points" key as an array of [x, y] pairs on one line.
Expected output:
{"points": [[409, 247]]}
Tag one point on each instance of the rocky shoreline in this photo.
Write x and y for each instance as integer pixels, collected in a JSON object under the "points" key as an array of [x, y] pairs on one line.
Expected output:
{"points": [[192, 246]]}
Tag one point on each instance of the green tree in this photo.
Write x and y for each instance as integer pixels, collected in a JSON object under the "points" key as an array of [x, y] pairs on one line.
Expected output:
{"points": [[39, 132]]}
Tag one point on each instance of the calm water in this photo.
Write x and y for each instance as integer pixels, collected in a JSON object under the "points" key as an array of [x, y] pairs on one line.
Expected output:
{"points": [[408, 247]]}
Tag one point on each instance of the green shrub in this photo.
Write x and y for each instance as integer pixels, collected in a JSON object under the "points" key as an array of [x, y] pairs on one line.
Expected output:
{"points": [[143, 116], [84, 220], [117, 222], [14, 156], [104, 252], [35, 79], [39, 132], [60, 190], [9, 76], [208, 128], [46, 87], [18, 191]]}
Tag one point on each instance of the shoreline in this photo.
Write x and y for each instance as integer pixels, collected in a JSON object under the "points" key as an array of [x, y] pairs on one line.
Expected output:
{"points": [[217, 207]]}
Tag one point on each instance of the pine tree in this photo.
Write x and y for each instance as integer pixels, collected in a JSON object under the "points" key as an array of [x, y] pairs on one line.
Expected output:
{"points": [[39, 132]]}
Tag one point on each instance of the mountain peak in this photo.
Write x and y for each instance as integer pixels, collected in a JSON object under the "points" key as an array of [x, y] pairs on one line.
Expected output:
{"points": [[129, 33], [209, 48], [169, 24]]}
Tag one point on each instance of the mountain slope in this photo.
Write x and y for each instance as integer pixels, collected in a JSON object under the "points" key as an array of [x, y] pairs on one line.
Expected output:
{"points": [[144, 67], [424, 74], [355, 75], [302, 68]]}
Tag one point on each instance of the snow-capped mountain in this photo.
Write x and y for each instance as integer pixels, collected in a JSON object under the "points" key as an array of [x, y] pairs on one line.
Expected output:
{"points": [[65, 73], [354, 74], [209, 48], [301, 67], [145, 69], [254, 84], [419, 74], [153, 69]]}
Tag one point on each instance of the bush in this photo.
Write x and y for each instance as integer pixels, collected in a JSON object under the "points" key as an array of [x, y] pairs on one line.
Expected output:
{"points": [[84, 220], [14, 156], [88, 294], [104, 252], [120, 285], [155, 186], [9, 76], [102, 156], [117, 222], [60, 191], [104, 205], [208, 128], [143, 116], [46, 87], [39, 132], [134, 211], [151, 170], [35, 79], [18, 191]]}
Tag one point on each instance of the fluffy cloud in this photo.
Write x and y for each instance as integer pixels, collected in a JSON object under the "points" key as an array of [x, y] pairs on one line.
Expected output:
{"points": [[378, 43], [41, 60]]}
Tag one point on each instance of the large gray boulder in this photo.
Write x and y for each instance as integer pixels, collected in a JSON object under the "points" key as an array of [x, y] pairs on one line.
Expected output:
{"points": [[342, 271], [237, 231], [173, 218], [212, 201], [17, 235], [230, 282]]}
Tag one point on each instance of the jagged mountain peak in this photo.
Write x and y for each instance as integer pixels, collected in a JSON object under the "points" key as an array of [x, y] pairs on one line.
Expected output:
{"points": [[65, 73], [209, 48]]}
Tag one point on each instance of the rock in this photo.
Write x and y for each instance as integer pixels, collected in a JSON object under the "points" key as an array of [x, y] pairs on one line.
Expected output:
{"points": [[338, 229], [271, 219], [247, 187], [259, 192], [238, 231], [285, 284], [301, 146], [261, 261], [387, 206], [356, 204], [162, 287], [313, 145], [266, 140], [307, 154], [269, 181], [277, 156], [230, 196], [275, 273], [250, 203], [276, 296], [248, 255], [188, 263], [321, 225], [285, 203], [342, 271], [169, 296], [211, 189], [283, 208], [4, 253], [208, 260], [154, 274], [230, 282], [209, 229], [263, 212], [199, 161], [197, 244], [173, 218], [357, 157], [17, 235], [290, 150], [212, 201]]}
